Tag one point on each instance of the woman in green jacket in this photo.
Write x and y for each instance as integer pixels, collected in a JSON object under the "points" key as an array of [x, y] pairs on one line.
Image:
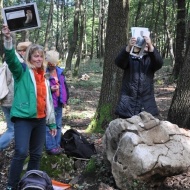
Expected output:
{"points": [[32, 107]]}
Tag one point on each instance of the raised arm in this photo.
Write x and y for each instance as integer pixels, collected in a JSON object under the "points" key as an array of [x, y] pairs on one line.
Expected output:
{"points": [[123, 57], [7, 37], [13, 62]]}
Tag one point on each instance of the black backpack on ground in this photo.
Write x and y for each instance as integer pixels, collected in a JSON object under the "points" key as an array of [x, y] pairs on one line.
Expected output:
{"points": [[76, 145], [36, 180]]}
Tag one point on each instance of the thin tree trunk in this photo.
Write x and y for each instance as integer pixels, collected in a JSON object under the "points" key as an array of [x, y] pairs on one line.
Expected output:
{"points": [[156, 32], [187, 39], [58, 26], [138, 12], [81, 40], [169, 36], [92, 33], [75, 36], [61, 45], [49, 22]]}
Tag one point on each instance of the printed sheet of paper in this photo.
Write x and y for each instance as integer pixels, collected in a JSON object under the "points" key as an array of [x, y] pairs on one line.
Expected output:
{"points": [[139, 32], [21, 17]]}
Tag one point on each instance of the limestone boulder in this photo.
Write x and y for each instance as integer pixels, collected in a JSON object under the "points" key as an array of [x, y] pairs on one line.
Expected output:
{"points": [[144, 148]]}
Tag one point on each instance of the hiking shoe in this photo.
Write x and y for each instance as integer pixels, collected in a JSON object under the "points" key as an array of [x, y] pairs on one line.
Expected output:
{"points": [[54, 151]]}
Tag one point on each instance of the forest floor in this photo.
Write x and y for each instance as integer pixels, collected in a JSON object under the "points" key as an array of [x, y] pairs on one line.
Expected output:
{"points": [[82, 105]]}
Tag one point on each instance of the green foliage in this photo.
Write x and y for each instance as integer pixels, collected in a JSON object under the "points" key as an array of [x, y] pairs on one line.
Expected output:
{"points": [[100, 120], [167, 62], [56, 165], [159, 81], [92, 69], [91, 166], [93, 82], [74, 101], [171, 79], [150, 15], [100, 169], [135, 185], [91, 66], [77, 116]]}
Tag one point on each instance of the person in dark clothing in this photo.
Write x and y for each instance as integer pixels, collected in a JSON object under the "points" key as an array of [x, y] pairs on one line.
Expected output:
{"points": [[137, 91]]}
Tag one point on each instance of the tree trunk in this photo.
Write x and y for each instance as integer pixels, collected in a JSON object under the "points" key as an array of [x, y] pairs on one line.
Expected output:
{"points": [[49, 22], [179, 112], [180, 38], [156, 32], [58, 27], [169, 36], [187, 40], [92, 33], [36, 36], [116, 38], [138, 13], [75, 36], [63, 41], [170, 47], [101, 29], [62, 32], [81, 40]]}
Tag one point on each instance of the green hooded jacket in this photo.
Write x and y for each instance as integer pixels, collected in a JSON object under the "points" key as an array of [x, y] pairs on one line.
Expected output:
{"points": [[25, 100]]}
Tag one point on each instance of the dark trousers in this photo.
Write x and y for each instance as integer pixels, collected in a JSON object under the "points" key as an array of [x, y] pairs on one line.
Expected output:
{"points": [[29, 140]]}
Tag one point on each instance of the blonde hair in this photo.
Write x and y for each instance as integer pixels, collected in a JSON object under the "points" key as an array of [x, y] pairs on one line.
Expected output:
{"points": [[32, 49], [52, 57]]}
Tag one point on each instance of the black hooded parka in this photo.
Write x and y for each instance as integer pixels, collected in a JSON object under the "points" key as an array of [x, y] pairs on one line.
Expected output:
{"points": [[137, 91]]}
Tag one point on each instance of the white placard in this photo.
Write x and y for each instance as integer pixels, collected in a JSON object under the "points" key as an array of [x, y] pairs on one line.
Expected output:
{"points": [[139, 32]]}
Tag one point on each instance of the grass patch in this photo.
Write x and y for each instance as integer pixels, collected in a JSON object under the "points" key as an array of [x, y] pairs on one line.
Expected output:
{"points": [[167, 62], [94, 81], [93, 65], [91, 166], [76, 116], [57, 166], [75, 101]]}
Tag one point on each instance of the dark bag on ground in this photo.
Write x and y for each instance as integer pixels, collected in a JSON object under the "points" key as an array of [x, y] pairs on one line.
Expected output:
{"points": [[76, 145], [35, 179]]}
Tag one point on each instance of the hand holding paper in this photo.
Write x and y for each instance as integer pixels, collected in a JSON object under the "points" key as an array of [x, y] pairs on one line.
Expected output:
{"points": [[142, 38], [132, 41], [6, 32], [149, 47]]}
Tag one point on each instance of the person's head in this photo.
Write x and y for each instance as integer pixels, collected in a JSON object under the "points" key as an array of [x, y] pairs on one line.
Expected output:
{"points": [[52, 58], [35, 57], [21, 48]]}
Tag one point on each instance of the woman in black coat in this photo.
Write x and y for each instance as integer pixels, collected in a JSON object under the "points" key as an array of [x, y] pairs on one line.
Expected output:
{"points": [[137, 92]]}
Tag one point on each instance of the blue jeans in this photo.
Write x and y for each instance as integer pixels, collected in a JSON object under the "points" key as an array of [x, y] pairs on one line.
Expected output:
{"points": [[54, 142], [8, 135], [29, 137]]}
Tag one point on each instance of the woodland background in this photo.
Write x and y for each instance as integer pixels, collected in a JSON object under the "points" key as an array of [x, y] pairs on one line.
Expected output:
{"points": [[86, 30], [89, 34]]}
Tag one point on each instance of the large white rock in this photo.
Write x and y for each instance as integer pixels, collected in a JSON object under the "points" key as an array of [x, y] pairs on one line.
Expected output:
{"points": [[143, 148]]}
